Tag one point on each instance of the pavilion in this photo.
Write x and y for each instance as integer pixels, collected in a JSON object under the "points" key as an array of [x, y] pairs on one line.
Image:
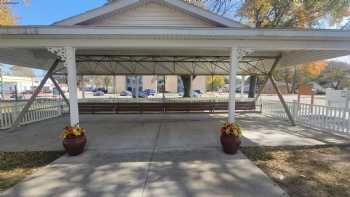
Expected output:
{"points": [[161, 37]]}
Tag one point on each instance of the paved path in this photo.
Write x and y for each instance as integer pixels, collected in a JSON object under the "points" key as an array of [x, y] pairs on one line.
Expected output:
{"points": [[177, 173], [176, 132]]}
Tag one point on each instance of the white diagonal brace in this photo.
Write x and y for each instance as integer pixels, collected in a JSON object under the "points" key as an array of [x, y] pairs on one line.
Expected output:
{"points": [[35, 94], [59, 89], [286, 109], [275, 63]]}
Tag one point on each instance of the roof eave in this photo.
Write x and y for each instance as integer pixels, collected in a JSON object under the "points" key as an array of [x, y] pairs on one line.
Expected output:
{"points": [[200, 33]]}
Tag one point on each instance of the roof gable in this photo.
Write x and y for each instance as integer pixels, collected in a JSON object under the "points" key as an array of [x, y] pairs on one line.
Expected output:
{"points": [[150, 14], [191, 15]]}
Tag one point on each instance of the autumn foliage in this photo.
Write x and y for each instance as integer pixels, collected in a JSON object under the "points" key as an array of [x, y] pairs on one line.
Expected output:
{"points": [[6, 16], [313, 69]]}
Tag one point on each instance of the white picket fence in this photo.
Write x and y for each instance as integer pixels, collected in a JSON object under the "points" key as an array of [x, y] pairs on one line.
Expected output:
{"points": [[314, 116], [41, 109]]}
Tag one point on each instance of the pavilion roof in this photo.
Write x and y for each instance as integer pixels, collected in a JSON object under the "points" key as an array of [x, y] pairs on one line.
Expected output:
{"points": [[169, 51]]}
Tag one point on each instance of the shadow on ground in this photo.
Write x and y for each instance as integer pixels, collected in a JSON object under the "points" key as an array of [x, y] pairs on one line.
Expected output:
{"points": [[175, 173]]}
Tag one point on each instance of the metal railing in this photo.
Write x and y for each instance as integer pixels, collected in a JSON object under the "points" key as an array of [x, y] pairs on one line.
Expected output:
{"points": [[41, 109], [314, 116]]}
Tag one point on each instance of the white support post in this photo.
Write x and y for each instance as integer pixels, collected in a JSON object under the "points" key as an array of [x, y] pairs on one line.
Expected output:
{"points": [[137, 88], [191, 79], [347, 100], [164, 87], [232, 95], [115, 85], [242, 85], [82, 85], [2, 83], [70, 63]]}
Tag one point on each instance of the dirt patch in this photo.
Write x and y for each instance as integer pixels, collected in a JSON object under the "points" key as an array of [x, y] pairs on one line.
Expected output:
{"points": [[319, 171], [14, 166]]}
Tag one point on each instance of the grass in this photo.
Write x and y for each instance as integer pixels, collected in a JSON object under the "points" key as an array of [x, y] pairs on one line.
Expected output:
{"points": [[318, 171], [15, 166]]}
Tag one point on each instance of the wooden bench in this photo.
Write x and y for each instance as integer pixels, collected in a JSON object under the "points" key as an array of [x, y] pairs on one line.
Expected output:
{"points": [[208, 106]]}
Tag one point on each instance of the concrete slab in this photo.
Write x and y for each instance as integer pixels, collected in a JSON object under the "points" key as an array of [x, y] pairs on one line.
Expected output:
{"points": [[261, 130], [188, 134], [90, 174], [207, 174], [171, 132], [175, 173]]}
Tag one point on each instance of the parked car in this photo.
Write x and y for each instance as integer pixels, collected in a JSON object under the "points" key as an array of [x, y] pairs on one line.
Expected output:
{"points": [[125, 93], [149, 92], [198, 91], [141, 94], [104, 90], [99, 93], [89, 89], [27, 92], [196, 94]]}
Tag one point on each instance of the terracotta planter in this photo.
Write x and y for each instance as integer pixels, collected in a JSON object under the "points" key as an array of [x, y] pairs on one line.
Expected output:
{"points": [[74, 146], [230, 144]]}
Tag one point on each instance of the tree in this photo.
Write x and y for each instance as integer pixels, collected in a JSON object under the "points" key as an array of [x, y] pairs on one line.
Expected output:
{"points": [[292, 13], [293, 76], [215, 82], [6, 16], [107, 81], [336, 75], [187, 83]]}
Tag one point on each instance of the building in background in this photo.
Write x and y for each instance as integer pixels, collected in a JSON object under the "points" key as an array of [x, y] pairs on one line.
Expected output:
{"points": [[22, 86], [172, 83]]}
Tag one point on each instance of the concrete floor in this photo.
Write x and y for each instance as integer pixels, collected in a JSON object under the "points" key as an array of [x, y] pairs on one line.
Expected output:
{"points": [[155, 155], [201, 173], [165, 132]]}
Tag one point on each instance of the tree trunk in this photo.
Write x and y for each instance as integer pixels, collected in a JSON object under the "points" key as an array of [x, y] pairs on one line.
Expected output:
{"points": [[287, 86], [186, 80], [294, 82], [252, 86]]}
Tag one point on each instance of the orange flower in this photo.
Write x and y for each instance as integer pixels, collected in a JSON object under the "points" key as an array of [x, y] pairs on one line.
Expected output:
{"points": [[232, 129], [69, 132]]}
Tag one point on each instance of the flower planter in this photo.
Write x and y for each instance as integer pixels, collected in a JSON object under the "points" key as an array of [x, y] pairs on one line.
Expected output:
{"points": [[230, 144], [74, 145]]}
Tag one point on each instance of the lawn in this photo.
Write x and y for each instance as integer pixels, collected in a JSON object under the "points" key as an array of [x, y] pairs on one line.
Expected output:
{"points": [[14, 167], [318, 171]]}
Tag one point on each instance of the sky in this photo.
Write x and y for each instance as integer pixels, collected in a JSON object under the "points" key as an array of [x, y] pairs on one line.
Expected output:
{"points": [[46, 12]]}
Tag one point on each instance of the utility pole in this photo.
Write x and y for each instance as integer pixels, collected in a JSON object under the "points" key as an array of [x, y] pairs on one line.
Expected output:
{"points": [[2, 83]]}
